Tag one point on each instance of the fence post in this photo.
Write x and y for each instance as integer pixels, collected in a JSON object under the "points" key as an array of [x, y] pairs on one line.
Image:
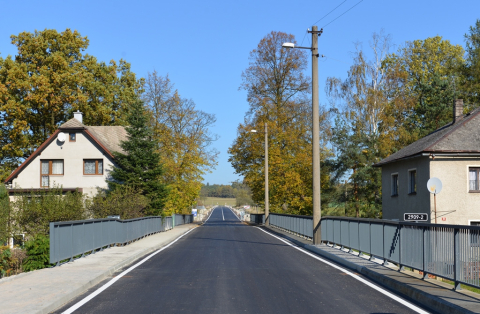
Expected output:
{"points": [[456, 253], [424, 268], [400, 267]]}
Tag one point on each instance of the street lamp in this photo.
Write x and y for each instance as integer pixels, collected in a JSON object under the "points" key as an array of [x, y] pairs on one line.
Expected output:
{"points": [[315, 132], [267, 212]]}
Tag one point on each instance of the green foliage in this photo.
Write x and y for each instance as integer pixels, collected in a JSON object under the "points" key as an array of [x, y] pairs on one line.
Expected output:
{"points": [[33, 212], [140, 168], [11, 261], [124, 201], [5, 256], [48, 79], [38, 253], [471, 70], [4, 215]]}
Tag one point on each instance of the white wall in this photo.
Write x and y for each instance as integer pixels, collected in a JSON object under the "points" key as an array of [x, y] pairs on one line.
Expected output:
{"points": [[455, 195], [73, 154]]}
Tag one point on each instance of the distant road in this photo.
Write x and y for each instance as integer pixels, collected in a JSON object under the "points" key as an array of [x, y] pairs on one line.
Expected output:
{"points": [[226, 266]]}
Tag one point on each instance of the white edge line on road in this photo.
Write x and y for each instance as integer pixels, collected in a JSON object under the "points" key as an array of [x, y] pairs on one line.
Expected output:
{"points": [[113, 280], [222, 214], [234, 213], [385, 292], [211, 212]]}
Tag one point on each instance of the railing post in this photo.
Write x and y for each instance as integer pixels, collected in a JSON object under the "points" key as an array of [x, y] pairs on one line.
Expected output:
{"points": [[424, 268], [456, 254], [400, 267]]}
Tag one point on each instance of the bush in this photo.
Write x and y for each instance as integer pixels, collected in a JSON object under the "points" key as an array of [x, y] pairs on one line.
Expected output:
{"points": [[4, 215], [32, 213], [124, 201], [11, 261], [38, 253]]}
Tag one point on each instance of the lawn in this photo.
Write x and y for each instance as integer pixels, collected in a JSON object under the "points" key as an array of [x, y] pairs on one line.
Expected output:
{"points": [[219, 201]]}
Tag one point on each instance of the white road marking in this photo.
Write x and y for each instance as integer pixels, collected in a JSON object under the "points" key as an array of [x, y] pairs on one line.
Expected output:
{"points": [[113, 280], [211, 212], [222, 214], [234, 213], [385, 292]]}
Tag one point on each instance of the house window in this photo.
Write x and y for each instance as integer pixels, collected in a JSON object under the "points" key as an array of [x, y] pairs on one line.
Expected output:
{"points": [[73, 137], [412, 181], [49, 168], [92, 166], [395, 184], [473, 179]]}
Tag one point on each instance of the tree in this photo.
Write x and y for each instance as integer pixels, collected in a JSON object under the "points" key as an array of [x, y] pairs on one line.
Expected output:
{"points": [[278, 94], [50, 78], [471, 68], [139, 166], [359, 128], [430, 77], [184, 140]]}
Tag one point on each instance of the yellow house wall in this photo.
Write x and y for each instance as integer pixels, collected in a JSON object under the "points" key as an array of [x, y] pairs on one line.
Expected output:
{"points": [[73, 154], [455, 195]]}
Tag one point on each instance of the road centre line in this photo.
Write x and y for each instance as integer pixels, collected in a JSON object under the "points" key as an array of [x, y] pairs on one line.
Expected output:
{"points": [[385, 292], [222, 214], [113, 280]]}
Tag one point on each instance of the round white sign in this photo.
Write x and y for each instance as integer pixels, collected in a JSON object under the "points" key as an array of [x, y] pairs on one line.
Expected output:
{"points": [[61, 137], [434, 185]]}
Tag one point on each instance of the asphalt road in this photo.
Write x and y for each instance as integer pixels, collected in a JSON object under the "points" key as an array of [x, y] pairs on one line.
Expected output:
{"points": [[226, 266]]}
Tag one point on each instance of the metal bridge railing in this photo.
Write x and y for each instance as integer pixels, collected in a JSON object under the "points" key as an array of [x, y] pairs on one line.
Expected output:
{"points": [[448, 251], [295, 224], [69, 239]]}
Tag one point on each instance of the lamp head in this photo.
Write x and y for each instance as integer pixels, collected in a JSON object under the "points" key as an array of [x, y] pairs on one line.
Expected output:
{"points": [[288, 45], [253, 131]]}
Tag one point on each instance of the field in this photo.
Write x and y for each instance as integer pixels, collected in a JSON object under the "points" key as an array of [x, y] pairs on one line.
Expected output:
{"points": [[218, 200]]}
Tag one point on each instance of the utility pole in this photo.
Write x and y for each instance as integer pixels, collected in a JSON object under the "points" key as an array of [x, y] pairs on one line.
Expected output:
{"points": [[317, 215], [266, 177]]}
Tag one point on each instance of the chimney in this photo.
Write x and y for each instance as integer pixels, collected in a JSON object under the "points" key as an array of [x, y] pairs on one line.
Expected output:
{"points": [[457, 110], [78, 115]]}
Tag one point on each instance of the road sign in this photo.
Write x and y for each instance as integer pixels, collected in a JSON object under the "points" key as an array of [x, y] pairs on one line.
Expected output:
{"points": [[434, 185], [194, 212], [415, 217]]}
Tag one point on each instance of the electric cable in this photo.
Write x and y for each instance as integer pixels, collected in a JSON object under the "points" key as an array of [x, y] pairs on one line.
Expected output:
{"points": [[342, 14], [329, 12]]}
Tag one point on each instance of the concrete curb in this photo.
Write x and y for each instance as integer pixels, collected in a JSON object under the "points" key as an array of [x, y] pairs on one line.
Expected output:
{"points": [[430, 301], [77, 292]]}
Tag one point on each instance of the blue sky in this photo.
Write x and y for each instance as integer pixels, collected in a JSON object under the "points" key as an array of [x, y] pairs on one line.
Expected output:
{"points": [[204, 45]]}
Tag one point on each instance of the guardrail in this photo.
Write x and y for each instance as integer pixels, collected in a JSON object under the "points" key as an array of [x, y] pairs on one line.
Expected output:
{"points": [[183, 219], [72, 238], [295, 224], [257, 218], [448, 251]]}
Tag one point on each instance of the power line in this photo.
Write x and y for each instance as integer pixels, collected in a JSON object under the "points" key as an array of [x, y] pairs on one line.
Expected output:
{"points": [[306, 32], [343, 13], [329, 12]]}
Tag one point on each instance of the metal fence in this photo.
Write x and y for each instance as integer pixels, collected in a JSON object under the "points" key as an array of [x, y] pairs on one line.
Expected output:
{"points": [[73, 238], [298, 225], [448, 251], [183, 219], [257, 218]]}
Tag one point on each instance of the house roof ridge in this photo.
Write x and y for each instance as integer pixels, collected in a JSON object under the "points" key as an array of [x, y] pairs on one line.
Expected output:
{"points": [[466, 118]]}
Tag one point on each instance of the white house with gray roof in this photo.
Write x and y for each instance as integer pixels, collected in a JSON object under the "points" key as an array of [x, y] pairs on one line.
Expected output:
{"points": [[452, 154], [76, 157]]}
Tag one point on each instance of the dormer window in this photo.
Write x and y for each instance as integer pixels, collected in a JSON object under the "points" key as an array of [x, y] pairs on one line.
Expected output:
{"points": [[73, 137]]}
